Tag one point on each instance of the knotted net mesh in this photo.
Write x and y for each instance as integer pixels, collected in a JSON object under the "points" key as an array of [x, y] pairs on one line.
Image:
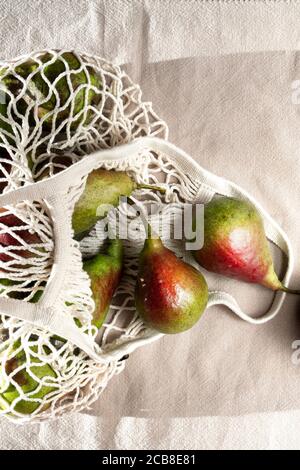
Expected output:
{"points": [[56, 107]]}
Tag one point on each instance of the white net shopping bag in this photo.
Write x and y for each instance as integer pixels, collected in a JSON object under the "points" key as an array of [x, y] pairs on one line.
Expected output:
{"points": [[63, 116]]}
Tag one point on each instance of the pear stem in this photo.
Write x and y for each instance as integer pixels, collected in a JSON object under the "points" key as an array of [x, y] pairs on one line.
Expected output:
{"points": [[149, 231], [150, 234], [289, 291], [150, 186]]}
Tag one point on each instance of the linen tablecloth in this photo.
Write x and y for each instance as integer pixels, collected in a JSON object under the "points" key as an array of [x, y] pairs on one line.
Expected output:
{"points": [[221, 74]]}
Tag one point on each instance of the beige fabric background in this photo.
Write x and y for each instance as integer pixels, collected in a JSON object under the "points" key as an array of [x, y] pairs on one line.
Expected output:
{"points": [[220, 74]]}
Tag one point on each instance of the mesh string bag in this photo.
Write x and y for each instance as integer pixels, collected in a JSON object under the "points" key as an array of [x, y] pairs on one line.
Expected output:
{"points": [[63, 115], [56, 108]]}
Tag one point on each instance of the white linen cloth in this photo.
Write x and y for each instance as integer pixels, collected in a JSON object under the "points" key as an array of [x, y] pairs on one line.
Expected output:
{"points": [[220, 73]]}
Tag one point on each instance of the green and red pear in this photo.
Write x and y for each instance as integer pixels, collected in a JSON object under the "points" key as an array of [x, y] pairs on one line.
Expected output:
{"points": [[170, 295], [18, 367], [104, 270], [235, 244]]}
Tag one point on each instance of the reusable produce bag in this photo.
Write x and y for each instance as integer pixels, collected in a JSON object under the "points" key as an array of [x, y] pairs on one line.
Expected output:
{"points": [[60, 123]]}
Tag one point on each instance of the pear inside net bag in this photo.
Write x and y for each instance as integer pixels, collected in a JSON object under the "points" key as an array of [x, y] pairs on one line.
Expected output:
{"points": [[56, 108]]}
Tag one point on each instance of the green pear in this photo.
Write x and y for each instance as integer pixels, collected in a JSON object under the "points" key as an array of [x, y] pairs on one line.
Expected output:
{"points": [[5, 98], [103, 189], [3, 113], [40, 96], [170, 295], [27, 383], [10, 84], [38, 89], [104, 271]]}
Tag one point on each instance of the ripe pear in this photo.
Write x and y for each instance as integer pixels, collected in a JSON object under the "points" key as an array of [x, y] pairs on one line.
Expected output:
{"points": [[26, 382], [235, 243], [103, 188], [170, 294], [10, 88], [104, 270], [38, 87]]}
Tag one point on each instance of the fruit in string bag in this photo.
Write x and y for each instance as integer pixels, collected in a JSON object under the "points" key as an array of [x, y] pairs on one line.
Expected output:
{"points": [[58, 89], [104, 270], [103, 189], [35, 378]]}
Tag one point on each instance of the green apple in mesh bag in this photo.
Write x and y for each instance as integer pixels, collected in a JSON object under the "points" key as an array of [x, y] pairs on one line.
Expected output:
{"points": [[9, 392], [61, 86]]}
